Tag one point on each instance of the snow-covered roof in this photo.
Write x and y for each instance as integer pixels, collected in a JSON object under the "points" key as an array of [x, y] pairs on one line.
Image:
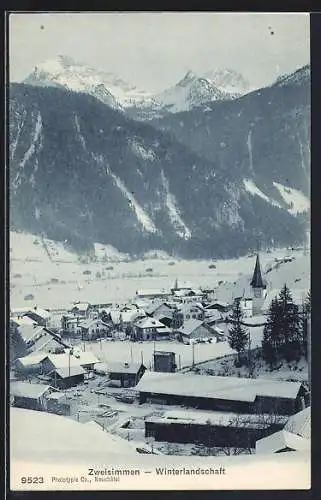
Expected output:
{"points": [[65, 372], [90, 322], [81, 306], [38, 435], [152, 292], [29, 332], [79, 358], [27, 390], [190, 326], [300, 423], [24, 321], [207, 386], [123, 367], [32, 359], [281, 440], [149, 323], [219, 303], [127, 316], [224, 419], [40, 312], [163, 329]]}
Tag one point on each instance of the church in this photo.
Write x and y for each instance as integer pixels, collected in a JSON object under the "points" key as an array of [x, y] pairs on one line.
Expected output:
{"points": [[258, 286]]}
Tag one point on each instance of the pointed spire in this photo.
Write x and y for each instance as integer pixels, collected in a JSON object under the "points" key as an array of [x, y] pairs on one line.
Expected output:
{"points": [[176, 284], [257, 281]]}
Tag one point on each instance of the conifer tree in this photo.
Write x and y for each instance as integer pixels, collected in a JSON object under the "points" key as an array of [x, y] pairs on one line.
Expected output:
{"points": [[306, 311], [238, 335], [271, 334], [290, 326]]}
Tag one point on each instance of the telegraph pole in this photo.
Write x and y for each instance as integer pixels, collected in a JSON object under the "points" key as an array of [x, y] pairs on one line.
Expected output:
{"points": [[193, 354]]}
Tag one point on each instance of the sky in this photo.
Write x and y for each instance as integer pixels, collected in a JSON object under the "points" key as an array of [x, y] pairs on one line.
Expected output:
{"points": [[154, 50]]}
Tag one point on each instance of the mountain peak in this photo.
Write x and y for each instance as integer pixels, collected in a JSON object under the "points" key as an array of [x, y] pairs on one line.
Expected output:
{"points": [[189, 77]]}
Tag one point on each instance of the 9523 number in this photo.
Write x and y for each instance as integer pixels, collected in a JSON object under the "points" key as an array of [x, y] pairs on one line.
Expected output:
{"points": [[31, 480]]}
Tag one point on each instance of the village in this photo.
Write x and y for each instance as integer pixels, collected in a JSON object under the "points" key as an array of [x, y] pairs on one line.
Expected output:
{"points": [[138, 373]]}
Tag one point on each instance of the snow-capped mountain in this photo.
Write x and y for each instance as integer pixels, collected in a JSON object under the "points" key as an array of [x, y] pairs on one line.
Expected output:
{"points": [[62, 71], [190, 92]]}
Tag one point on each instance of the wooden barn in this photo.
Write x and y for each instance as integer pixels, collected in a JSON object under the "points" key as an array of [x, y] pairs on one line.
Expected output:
{"points": [[29, 395], [126, 374], [219, 429], [231, 394]]}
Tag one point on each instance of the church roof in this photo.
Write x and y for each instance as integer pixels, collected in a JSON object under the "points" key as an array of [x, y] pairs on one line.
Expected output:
{"points": [[257, 281]]}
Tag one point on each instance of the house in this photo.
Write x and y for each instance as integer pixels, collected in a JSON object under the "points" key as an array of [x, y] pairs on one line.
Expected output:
{"points": [[81, 309], [123, 317], [93, 328], [164, 361], [30, 396], [127, 374], [159, 308], [66, 377], [195, 329], [232, 394], [35, 314], [38, 338], [150, 329], [220, 429], [70, 325], [219, 305], [192, 311]]}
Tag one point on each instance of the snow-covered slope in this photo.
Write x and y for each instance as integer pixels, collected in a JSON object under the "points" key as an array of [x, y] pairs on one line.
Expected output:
{"points": [[297, 201]]}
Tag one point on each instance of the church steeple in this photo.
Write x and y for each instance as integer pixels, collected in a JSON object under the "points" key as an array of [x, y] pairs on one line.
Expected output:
{"points": [[257, 281]]}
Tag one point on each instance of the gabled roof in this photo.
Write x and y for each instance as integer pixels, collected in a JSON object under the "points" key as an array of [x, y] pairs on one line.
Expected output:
{"points": [[77, 359], [27, 390], [282, 440], [190, 326], [89, 322], [65, 372], [32, 359], [257, 281], [207, 386], [149, 323], [123, 367], [126, 316]]}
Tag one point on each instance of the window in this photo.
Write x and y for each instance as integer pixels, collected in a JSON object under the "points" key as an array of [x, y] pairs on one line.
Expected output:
{"points": [[188, 316]]}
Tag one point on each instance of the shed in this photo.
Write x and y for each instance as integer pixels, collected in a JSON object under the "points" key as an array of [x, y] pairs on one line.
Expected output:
{"points": [[29, 395], [128, 374], [66, 377], [282, 441], [242, 395]]}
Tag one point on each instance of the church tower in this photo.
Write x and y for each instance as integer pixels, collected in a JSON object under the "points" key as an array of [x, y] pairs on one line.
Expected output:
{"points": [[258, 287]]}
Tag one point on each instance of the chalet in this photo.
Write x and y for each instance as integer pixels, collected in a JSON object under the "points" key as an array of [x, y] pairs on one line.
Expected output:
{"points": [[150, 329], [93, 328], [81, 309], [66, 377], [127, 374], [123, 317], [231, 394], [164, 361], [30, 396], [219, 305], [192, 311], [70, 325], [195, 329], [35, 314], [159, 308], [219, 429]]}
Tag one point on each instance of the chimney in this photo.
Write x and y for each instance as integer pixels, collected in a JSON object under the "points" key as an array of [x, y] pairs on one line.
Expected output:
{"points": [[126, 365]]}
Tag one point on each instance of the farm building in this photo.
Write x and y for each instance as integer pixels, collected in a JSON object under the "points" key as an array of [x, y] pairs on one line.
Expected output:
{"points": [[86, 360], [230, 394], [127, 374], [150, 329], [34, 314], [195, 329], [66, 377], [93, 328], [164, 361], [159, 308], [124, 317], [30, 363], [219, 305], [218, 429], [30, 396]]}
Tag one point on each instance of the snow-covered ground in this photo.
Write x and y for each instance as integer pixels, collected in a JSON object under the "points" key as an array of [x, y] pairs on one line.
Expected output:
{"points": [[54, 276]]}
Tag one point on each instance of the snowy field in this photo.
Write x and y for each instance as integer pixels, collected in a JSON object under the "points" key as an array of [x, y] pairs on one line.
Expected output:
{"points": [[55, 277]]}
